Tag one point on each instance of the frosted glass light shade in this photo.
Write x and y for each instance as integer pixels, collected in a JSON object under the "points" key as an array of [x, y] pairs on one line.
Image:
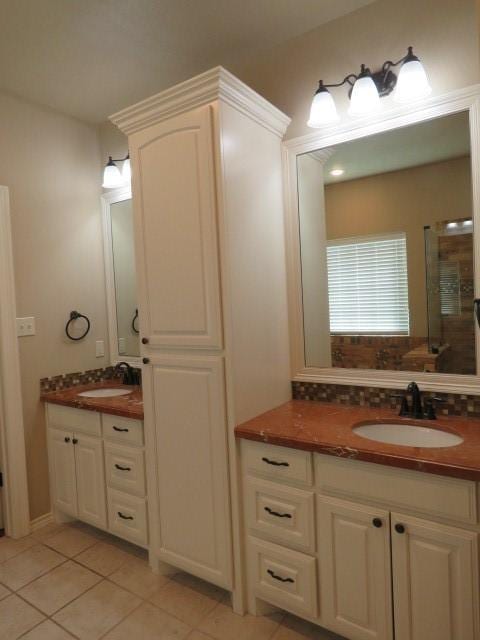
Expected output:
{"points": [[112, 177], [323, 110], [364, 98], [412, 83], [126, 171]]}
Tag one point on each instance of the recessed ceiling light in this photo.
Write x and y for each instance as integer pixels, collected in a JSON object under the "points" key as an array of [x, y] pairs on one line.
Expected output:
{"points": [[467, 223], [337, 172], [452, 225]]}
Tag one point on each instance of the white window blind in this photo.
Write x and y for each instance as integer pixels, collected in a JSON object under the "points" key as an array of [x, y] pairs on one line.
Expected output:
{"points": [[368, 285], [449, 276]]}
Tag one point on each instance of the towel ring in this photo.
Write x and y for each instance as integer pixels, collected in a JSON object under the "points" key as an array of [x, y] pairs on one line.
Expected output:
{"points": [[134, 321], [74, 315]]}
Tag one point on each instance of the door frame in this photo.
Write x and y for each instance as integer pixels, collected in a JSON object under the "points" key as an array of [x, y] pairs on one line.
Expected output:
{"points": [[12, 437]]}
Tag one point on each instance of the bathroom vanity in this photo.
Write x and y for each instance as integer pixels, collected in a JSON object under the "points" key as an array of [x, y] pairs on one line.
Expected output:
{"points": [[97, 459], [339, 527]]}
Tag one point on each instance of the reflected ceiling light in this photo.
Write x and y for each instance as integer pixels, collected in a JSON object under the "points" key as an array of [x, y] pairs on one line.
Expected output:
{"points": [[112, 178], [337, 172], [452, 225], [467, 223], [367, 88]]}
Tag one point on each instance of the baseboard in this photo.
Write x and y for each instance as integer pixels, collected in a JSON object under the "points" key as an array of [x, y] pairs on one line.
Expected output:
{"points": [[40, 522]]}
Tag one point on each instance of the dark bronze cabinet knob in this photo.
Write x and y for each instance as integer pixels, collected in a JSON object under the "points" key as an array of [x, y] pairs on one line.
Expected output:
{"points": [[146, 360], [74, 440], [67, 439], [399, 528], [377, 522], [145, 341]]}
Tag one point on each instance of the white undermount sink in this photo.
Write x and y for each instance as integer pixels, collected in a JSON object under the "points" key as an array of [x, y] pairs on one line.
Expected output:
{"points": [[104, 393], [408, 435]]}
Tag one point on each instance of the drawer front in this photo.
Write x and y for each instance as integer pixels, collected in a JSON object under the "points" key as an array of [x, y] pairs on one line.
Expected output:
{"points": [[79, 420], [127, 517], [283, 577], [440, 496], [125, 469], [119, 429], [282, 513], [277, 463]]}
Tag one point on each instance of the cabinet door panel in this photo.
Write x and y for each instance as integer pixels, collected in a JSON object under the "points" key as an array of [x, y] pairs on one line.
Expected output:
{"points": [[191, 451], [435, 569], [355, 575], [61, 454], [90, 480], [177, 249]]}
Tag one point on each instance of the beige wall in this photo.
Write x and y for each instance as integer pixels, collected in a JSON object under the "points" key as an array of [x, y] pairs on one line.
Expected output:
{"points": [[51, 164], [406, 201]]}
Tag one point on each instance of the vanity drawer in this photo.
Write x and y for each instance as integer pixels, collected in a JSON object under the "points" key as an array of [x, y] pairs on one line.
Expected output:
{"points": [[125, 469], [282, 513], [70, 419], [441, 496], [122, 429], [127, 517], [283, 577], [277, 463]]}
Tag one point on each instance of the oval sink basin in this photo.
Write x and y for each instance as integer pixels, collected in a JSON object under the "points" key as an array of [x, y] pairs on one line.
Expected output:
{"points": [[408, 435], [104, 393]]}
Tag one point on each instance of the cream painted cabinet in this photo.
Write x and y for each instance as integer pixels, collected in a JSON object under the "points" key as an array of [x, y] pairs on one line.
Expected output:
{"points": [[355, 577], [435, 580], [90, 471], [63, 482], [210, 262]]}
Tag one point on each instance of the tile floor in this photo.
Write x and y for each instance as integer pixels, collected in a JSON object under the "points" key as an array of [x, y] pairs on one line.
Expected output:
{"points": [[73, 581]]}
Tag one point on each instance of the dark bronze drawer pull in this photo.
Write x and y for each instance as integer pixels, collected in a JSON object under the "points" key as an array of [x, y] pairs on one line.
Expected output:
{"points": [[117, 466], [275, 463], [119, 429], [275, 513], [125, 517], [274, 575]]}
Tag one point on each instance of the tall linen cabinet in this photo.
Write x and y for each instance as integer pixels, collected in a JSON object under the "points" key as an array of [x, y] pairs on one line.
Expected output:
{"points": [[210, 259]]}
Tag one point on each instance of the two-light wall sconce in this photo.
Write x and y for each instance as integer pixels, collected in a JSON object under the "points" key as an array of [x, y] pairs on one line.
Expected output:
{"points": [[367, 88], [113, 177]]}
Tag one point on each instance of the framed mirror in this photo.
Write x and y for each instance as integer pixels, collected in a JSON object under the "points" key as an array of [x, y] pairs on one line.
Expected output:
{"points": [[382, 239], [121, 286]]}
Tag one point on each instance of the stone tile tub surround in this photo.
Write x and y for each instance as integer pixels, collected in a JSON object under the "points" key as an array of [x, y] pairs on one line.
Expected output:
{"points": [[380, 397], [327, 428]]}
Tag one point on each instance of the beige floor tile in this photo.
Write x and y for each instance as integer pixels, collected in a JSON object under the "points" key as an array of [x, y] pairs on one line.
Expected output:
{"points": [[103, 558], [188, 598], [147, 622], [47, 630], [198, 635], [57, 588], [29, 565], [4, 592], [17, 617], [293, 628], [70, 541], [10, 548], [128, 547], [97, 611], [223, 624], [136, 576], [48, 530]]}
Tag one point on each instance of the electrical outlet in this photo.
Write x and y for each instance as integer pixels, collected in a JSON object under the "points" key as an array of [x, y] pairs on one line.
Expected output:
{"points": [[99, 349], [122, 348], [25, 326]]}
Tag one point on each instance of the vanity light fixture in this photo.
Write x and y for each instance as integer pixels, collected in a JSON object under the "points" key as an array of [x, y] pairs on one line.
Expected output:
{"points": [[112, 177], [367, 88]]}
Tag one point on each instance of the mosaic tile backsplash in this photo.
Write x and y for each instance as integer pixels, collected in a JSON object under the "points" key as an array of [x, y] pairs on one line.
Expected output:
{"points": [[453, 405], [67, 380]]}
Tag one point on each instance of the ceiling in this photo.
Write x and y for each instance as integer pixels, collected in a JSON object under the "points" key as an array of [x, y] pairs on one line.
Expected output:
{"points": [[430, 141], [90, 58]]}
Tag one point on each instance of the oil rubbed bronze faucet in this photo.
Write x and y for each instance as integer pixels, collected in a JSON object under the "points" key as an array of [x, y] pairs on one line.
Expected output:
{"points": [[417, 409]]}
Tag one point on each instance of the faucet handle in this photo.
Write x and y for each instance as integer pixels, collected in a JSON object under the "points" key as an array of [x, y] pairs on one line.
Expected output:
{"points": [[404, 408], [430, 412]]}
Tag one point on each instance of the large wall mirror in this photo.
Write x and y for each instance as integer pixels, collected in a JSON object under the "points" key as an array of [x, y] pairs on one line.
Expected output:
{"points": [[386, 257], [120, 276]]}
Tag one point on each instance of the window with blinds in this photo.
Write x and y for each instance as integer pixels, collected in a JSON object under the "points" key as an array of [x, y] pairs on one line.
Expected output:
{"points": [[368, 285], [449, 277]]}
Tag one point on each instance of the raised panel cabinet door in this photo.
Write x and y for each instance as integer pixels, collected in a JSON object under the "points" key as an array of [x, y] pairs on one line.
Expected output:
{"points": [[435, 580], [176, 231], [355, 574], [192, 467], [90, 480], [63, 481]]}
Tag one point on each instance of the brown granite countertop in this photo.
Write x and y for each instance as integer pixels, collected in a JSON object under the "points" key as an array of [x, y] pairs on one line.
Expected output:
{"points": [[129, 406], [327, 428]]}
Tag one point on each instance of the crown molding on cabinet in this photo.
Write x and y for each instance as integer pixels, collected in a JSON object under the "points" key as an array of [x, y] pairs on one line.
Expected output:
{"points": [[215, 84]]}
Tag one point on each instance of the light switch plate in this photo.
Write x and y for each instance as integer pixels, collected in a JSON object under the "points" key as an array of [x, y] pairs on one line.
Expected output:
{"points": [[25, 326], [99, 349], [122, 346]]}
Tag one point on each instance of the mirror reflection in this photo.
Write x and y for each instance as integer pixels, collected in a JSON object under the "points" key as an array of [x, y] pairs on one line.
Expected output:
{"points": [[121, 217], [386, 237]]}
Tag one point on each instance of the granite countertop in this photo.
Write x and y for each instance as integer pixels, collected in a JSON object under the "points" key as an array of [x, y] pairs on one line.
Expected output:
{"points": [[327, 428], [129, 406]]}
